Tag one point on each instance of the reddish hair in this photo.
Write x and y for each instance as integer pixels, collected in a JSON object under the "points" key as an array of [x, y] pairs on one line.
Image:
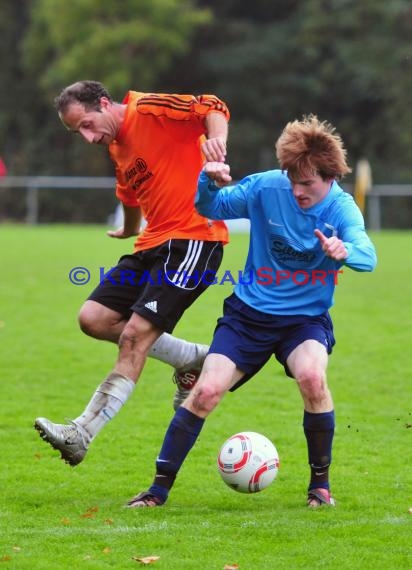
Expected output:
{"points": [[311, 147]]}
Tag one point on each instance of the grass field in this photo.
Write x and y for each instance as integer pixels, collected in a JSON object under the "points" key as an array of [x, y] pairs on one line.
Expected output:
{"points": [[55, 517]]}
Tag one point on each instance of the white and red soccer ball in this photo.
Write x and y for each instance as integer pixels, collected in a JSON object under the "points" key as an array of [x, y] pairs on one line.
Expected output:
{"points": [[248, 462]]}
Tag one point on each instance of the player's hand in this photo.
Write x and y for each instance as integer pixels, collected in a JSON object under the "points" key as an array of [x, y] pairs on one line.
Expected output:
{"points": [[214, 149], [332, 246], [120, 233], [219, 172]]}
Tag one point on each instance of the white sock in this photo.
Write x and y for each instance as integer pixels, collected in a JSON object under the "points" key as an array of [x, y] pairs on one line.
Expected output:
{"points": [[105, 404], [178, 352]]}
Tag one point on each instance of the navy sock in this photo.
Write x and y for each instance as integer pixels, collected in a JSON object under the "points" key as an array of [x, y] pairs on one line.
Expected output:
{"points": [[180, 437], [319, 431]]}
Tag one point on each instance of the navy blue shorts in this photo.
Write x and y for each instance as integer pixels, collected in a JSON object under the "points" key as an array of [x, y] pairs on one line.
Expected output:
{"points": [[249, 337]]}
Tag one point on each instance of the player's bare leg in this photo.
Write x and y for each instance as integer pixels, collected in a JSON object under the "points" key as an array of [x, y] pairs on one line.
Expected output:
{"points": [[73, 439], [186, 358]]}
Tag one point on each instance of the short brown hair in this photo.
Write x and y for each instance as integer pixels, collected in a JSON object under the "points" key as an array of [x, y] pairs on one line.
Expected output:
{"points": [[311, 146], [87, 93]]}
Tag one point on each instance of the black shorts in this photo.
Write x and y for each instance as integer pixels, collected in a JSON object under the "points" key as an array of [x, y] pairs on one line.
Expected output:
{"points": [[160, 283]]}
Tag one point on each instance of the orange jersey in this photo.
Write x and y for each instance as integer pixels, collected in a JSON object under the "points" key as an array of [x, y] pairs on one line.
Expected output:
{"points": [[158, 158]]}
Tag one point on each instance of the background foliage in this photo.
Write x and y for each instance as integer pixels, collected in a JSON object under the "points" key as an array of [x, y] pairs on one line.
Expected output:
{"points": [[270, 60]]}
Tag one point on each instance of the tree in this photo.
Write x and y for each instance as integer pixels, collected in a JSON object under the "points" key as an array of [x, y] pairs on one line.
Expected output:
{"points": [[345, 60], [128, 43], [270, 60]]}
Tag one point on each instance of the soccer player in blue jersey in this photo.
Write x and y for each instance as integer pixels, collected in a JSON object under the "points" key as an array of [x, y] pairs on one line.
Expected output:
{"points": [[304, 229]]}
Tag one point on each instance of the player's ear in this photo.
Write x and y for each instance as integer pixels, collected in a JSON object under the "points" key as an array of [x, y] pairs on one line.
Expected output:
{"points": [[104, 103]]}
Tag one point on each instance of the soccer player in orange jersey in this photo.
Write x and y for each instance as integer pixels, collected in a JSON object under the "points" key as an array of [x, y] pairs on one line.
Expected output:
{"points": [[158, 143]]}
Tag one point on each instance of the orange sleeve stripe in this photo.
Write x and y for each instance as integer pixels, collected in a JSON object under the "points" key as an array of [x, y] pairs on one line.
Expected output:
{"points": [[153, 103], [181, 104]]}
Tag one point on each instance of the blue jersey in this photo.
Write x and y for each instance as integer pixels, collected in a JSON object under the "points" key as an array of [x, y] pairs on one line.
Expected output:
{"points": [[286, 271]]}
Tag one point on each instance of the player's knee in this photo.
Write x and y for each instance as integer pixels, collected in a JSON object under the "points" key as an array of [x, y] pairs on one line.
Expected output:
{"points": [[206, 397], [312, 383], [88, 321]]}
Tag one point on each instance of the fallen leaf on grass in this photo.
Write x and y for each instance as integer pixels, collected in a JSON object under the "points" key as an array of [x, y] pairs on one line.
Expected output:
{"points": [[410, 511], [89, 514], [65, 521], [16, 548], [108, 521], [5, 558], [107, 550], [146, 559], [231, 567]]}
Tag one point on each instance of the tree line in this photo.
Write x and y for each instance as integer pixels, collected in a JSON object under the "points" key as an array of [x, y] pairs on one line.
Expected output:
{"points": [[272, 61]]}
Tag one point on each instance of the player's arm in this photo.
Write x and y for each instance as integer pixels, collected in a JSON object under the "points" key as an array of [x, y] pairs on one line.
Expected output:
{"points": [[131, 224], [218, 203], [214, 147], [352, 246], [132, 215], [361, 251]]}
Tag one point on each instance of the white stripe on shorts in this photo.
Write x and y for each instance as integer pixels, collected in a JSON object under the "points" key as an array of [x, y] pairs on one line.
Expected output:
{"points": [[188, 264]]}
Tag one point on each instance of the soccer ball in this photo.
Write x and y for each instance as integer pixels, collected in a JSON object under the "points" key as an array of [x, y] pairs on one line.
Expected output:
{"points": [[248, 462]]}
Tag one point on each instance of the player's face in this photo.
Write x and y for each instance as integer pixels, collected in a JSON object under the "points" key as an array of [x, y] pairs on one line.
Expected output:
{"points": [[98, 127], [310, 190]]}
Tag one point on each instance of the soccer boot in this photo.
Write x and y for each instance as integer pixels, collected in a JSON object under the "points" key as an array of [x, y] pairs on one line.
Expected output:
{"points": [[145, 499], [69, 439], [185, 378], [319, 497]]}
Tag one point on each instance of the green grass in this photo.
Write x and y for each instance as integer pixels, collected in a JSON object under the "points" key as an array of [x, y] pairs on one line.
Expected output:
{"points": [[56, 517]]}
